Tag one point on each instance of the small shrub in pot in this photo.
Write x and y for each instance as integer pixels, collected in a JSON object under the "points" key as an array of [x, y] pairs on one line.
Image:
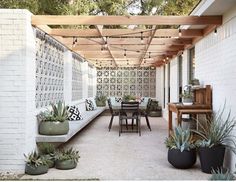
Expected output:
{"points": [[47, 150], [35, 164], [67, 158], [181, 148], [216, 135], [54, 122]]}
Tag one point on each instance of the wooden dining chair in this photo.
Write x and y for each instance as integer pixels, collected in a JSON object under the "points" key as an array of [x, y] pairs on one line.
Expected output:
{"points": [[113, 113], [129, 111]]}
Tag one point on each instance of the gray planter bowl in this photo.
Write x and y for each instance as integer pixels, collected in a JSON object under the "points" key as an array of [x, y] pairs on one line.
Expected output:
{"points": [[53, 128], [67, 164], [32, 170], [155, 113]]}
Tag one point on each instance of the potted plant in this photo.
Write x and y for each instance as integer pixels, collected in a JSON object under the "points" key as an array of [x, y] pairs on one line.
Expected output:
{"points": [[47, 150], [67, 159], [154, 110], [35, 164], [181, 149], [54, 122], [128, 98], [216, 135], [187, 97], [222, 175], [101, 100]]}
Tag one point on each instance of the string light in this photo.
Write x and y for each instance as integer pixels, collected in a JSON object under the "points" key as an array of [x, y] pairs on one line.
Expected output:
{"points": [[74, 41], [144, 60], [105, 45], [142, 38], [215, 31], [125, 53], [180, 32], [167, 58], [127, 62], [96, 62], [149, 55]]}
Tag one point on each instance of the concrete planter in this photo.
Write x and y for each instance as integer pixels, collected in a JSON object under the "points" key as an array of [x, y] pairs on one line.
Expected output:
{"points": [[66, 164], [100, 103], [155, 113], [53, 128], [32, 170], [187, 101]]}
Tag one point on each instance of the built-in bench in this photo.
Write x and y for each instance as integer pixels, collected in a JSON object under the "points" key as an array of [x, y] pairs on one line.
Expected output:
{"points": [[75, 127]]}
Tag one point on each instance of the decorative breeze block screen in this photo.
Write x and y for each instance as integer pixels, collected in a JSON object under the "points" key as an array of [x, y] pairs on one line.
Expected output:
{"points": [[122, 81], [49, 70], [90, 81], [76, 77]]}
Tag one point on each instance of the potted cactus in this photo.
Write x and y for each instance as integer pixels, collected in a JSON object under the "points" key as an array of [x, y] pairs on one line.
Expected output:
{"points": [[54, 122], [67, 159], [181, 149], [47, 150], [222, 175], [35, 164]]}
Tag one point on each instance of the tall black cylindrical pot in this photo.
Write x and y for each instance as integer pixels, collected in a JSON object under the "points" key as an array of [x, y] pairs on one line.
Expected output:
{"points": [[211, 158], [182, 160]]}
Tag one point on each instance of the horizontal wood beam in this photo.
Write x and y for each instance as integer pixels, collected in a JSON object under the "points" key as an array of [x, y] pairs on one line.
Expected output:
{"points": [[130, 41], [125, 20], [126, 32]]}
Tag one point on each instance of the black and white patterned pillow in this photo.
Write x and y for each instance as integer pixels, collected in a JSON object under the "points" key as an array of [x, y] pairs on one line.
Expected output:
{"points": [[118, 99], [74, 113], [142, 99], [89, 105]]}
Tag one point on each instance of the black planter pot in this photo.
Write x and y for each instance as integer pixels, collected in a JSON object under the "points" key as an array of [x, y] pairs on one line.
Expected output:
{"points": [[182, 160], [211, 158]]}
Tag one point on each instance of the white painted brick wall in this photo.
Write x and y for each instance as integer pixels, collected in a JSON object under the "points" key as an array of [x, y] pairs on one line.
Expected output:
{"points": [[215, 65], [17, 91], [159, 85]]}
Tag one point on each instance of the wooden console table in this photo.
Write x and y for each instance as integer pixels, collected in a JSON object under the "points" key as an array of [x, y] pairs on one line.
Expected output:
{"points": [[202, 105]]}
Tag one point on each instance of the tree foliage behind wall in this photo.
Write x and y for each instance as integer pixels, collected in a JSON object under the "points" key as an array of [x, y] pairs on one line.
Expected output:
{"points": [[103, 7]]}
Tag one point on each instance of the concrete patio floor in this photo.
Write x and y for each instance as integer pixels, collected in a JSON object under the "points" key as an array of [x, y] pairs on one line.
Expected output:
{"points": [[106, 156]]}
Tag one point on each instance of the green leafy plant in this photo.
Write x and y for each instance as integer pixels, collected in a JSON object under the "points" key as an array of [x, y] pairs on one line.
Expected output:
{"points": [[58, 113], [194, 81], [46, 148], [153, 106], [128, 97], [180, 139], [222, 175], [34, 159], [217, 131], [187, 95], [101, 100], [67, 154]]}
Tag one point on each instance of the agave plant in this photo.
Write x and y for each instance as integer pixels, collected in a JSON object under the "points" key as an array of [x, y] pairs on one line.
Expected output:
{"points": [[180, 139], [67, 154], [59, 111], [46, 148], [222, 175], [217, 131], [34, 159]]}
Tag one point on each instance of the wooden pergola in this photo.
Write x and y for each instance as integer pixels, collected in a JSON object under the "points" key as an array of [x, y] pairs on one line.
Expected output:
{"points": [[151, 46]]}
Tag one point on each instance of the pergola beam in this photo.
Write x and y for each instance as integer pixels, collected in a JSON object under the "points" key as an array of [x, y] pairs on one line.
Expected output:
{"points": [[126, 32], [125, 20]]}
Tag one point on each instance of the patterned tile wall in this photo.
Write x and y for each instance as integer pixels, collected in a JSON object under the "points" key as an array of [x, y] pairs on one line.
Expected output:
{"points": [[49, 70], [76, 77], [121, 81]]}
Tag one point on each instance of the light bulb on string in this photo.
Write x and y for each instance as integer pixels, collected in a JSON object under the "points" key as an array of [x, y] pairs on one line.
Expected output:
{"points": [[105, 45], [215, 31], [180, 32], [142, 41], [149, 55], [125, 54]]}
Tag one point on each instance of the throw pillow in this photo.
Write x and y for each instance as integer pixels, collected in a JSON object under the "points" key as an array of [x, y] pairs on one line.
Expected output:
{"points": [[89, 105], [118, 99], [73, 113]]}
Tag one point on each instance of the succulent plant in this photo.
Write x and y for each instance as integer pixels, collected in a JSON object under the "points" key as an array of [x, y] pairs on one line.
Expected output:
{"points": [[217, 131], [67, 154], [34, 159], [58, 113], [222, 175], [46, 148], [180, 139]]}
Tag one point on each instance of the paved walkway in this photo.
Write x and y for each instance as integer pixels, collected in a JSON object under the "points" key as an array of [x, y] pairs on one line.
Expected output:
{"points": [[106, 156]]}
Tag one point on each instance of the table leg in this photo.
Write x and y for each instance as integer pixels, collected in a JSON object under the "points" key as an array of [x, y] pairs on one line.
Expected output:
{"points": [[170, 121], [179, 118]]}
